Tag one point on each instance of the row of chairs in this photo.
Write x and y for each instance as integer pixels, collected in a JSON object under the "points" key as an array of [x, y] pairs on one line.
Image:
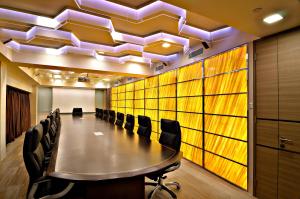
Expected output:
{"points": [[39, 143], [170, 137]]}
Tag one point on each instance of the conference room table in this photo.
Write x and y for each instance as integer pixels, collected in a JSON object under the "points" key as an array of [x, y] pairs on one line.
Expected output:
{"points": [[108, 160]]}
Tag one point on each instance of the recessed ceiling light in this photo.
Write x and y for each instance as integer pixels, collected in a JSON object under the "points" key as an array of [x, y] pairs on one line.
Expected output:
{"points": [[273, 18], [100, 52], [55, 71], [106, 79], [57, 76], [166, 45]]}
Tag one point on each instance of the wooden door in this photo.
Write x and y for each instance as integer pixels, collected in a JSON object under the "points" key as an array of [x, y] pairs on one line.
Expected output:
{"points": [[266, 173], [289, 175], [289, 76]]}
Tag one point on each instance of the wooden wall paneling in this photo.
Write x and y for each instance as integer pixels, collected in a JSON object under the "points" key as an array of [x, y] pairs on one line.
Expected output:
{"points": [[266, 172], [289, 73], [289, 175], [267, 133], [290, 131], [266, 79]]}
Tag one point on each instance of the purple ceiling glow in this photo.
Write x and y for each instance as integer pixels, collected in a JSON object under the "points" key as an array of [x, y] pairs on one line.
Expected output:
{"points": [[48, 27]]}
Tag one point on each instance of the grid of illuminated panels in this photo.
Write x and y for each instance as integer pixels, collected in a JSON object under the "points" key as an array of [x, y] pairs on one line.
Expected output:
{"points": [[114, 99], [151, 104], [167, 96], [121, 104], [129, 104], [190, 111], [139, 101], [210, 102], [225, 115]]}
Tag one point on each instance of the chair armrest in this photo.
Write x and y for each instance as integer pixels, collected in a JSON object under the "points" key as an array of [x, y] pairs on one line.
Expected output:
{"points": [[44, 179], [174, 167]]}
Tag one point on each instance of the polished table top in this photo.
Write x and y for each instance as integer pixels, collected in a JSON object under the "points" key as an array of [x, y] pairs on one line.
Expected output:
{"points": [[91, 149]]}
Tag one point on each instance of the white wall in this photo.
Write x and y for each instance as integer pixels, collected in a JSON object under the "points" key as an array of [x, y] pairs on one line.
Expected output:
{"points": [[68, 98]]}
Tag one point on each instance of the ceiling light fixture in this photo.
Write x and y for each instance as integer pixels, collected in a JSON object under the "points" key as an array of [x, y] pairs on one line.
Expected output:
{"points": [[166, 45], [57, 76], [273, 18], [106, 79], [55, 71]]}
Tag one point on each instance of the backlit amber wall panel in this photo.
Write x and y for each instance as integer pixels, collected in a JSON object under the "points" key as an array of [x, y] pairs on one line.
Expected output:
{"points": [[114, 98], [209, 99], [227, 169], [151, 104], [190, 72], [190, 111], [225, 115], [139, 99], [226, 62]]}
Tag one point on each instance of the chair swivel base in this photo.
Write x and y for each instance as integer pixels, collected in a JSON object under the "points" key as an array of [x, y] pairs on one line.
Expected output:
{"points": [[160, 185]]}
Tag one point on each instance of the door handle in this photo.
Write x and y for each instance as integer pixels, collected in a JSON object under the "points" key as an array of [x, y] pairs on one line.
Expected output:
{"points": [[284, 140]]}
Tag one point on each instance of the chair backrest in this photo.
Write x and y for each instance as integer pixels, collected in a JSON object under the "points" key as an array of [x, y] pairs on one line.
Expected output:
{"points": [[170, 134], [77, 111], [105, 115], [129, 125], [46, 140], [145, 126], [120, 119], [112, 116], [33, 153]]}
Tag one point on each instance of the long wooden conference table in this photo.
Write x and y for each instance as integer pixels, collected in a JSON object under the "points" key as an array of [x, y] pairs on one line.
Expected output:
{"points": [[111, 162]]}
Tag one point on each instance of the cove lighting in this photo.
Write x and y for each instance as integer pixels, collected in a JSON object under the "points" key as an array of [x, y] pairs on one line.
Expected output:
{"points": [[273, 18], [166, 45], [55, 71]]}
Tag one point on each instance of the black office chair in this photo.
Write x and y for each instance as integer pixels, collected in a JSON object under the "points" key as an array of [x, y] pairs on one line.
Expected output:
{"points": [[105, 115], [97, 112], [46, 140], [129, 125], [120, 119], [33, 155], [77, 112], [170, 137], [145, 126], [100, 114], [112, 117]]}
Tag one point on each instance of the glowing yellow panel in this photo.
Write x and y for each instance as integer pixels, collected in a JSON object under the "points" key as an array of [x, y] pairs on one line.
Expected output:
{"points": [[114, 103], [121, 96], [151, 93], [191, 153], [231, 60], [129, 95], [189, 104], [227, 104], [191, 88], [190, 120], [121, 89], [154, 136], [167, 78], [139, 103], [151, 82], [192, 137], [155, 126], [114, 90], [138, 112], [139, 85], [129, 103], [167, 104], [228, 126], [151, 103], [233, 172], [228, 83], [152, 114], [190, 72], [121, 104], [129, 111], [139, 94], [167, 91], [114, 96], [226, 147], [121, 110], [167, 115], [129, 87]]}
